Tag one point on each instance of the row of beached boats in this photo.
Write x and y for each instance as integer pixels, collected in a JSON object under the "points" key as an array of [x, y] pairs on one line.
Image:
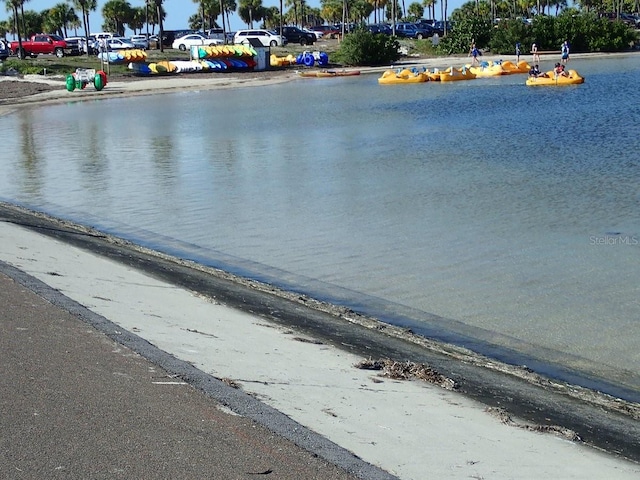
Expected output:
{"points": [[470, 72]]}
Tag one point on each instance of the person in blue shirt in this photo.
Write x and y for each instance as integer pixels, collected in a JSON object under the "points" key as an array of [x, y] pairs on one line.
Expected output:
{"points": [[474, 52], [517, 52], [535, 72], [565, 52]]}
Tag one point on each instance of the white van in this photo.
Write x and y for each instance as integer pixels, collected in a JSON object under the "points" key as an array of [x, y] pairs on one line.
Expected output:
{"points": [[265, 37]]}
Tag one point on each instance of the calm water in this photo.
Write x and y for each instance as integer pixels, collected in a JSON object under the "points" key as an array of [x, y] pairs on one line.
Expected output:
{"points": [[495, 215]]}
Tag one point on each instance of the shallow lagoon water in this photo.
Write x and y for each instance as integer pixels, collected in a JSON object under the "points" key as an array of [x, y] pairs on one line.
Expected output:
{"points": [[494, 215]]}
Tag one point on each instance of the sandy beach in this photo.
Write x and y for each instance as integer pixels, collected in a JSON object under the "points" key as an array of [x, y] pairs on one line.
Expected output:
{"points": [[447, 414], [41, 89], [415, 418]]}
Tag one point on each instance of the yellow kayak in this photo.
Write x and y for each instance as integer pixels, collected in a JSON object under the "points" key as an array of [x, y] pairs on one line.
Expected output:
{"points": [[329, 73], [550, 79], [391, 77]]}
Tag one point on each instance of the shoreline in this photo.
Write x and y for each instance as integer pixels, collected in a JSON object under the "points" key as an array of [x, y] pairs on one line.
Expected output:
{"points": [[503, 394], [131, 252], [194, 82], [135, 86]]}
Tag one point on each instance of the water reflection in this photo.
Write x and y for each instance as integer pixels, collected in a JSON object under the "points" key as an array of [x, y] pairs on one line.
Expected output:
{"points": [[462, 211], [32, 179]]}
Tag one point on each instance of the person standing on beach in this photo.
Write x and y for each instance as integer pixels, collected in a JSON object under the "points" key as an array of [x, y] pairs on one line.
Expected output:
{"points": [[565, 52], [474, 52], [534, 52], [517, 52]]}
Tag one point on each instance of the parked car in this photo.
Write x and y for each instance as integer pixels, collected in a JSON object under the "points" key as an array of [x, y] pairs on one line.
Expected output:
{"points": [[118, 43], [411, 30], [194, 39], [318, 34], [4, 50], [220, 33], [296, 35], [101, 35], [140, 41], [154, 41], [629, 19], [330, 31], [426, 21], [40, 44], [380, 28], [169, 36], [440, 25], [76, 45], [265, 37]]}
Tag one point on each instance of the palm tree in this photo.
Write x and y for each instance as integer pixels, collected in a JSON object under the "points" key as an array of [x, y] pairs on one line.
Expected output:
{"points": [[86, 6], [18, 19], [115, 14], [5, 27], [331, 11], [160, 13], [209, 10], [228, 7], [13, 5], [152, 15], [250, 11], [444, 15], [59, 17], [430, 6], [293, 4]]}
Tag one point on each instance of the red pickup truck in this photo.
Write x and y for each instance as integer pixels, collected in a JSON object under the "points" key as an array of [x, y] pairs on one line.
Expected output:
{"points": [[40, 44]]}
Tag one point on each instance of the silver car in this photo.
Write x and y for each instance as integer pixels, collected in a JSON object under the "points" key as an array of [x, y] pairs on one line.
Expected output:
{"points": [[118, 43], [140, 41]]}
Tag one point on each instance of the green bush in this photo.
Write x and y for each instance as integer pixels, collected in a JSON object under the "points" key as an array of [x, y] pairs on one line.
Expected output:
{"points": [[466, 31], [584, 31], [509, 32], [367, 49]]}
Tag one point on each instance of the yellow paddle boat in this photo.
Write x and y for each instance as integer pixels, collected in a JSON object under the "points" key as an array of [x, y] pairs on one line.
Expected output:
{"points": [[487, 70], [435, 75], [392, 77], [551, 79], [511, 68], [457, 74]]}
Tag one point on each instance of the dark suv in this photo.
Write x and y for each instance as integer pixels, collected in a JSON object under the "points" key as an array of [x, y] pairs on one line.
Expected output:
{"points": [[439, 27], [411, 30], [295, 35]]}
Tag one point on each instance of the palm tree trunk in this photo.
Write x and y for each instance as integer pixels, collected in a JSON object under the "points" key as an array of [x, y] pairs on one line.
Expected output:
{"points": [[224, 30], [17, 25], [159, 10], [445, 16], [24, 28]]}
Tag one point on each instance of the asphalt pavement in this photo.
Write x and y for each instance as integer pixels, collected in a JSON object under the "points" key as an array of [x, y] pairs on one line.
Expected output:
{"points": [[77, 404]]}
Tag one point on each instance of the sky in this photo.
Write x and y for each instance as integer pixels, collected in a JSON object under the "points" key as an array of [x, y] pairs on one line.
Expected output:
{"points": [[179, 11]]}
